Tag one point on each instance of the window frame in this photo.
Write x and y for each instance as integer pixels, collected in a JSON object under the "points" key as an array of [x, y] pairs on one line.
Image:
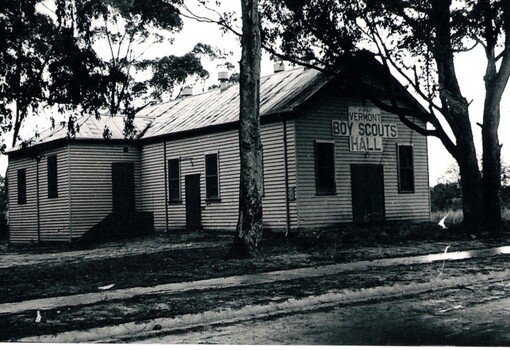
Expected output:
{"points": [[174, 179], [52, 175], [400, 168], [320, 189], [21, 178], [208, 196]]}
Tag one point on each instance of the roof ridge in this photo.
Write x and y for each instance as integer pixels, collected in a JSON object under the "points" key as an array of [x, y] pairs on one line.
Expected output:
{"points": [[218, 107], [231, 85]]}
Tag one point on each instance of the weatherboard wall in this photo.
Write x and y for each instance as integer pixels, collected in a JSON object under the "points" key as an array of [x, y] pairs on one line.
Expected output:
{"points": [[315, 124], [53, 215], [84, 191], [153, 180], [91, 181], [22, 217], [219, 214]]}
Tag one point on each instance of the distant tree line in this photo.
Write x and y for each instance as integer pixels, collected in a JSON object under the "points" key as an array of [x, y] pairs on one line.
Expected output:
{"points": [[447, 193]]}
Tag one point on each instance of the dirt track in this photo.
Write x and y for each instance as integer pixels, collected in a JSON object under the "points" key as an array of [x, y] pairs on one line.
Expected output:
{"points": [[190, 262], [437, 318]]}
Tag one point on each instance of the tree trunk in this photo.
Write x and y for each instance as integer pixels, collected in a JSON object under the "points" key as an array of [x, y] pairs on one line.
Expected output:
{"points": [[249, 225], [491, 166], [471, 186], [455, 110], [495, 84]]}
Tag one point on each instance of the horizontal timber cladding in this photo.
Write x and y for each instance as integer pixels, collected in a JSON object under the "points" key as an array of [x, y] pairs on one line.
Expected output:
{"points": [[53, 212], [219, 214], [91, 181], [274, 204], [22, 217], [315, 124], [153, 181]]}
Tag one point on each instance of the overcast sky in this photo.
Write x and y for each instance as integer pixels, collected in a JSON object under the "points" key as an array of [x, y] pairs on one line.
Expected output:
{"points": [[470, 68]]}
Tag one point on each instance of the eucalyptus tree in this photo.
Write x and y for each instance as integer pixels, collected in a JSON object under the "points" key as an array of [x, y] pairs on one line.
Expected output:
{"points": [[88, 55], [25, 47], [417, 40], [249, 225], [121, 33]]}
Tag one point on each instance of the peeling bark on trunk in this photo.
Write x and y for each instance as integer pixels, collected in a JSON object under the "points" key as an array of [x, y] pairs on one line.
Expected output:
{"points": [[495, 84], [455, 111], [491, 167], [249, 225], [471, 185]]}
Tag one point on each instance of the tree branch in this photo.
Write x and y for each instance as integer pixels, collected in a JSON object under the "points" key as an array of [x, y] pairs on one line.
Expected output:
{"points": [[388, 62], [403, 112], [223, 23]]}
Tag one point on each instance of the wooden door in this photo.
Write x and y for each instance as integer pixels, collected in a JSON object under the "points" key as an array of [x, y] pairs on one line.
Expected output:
{"points": [[193, 210], [123, 188], [367, 183]]}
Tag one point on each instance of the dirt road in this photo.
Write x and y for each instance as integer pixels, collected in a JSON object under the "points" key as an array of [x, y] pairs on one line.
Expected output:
{"points": [[285, 270], [466, 317]]}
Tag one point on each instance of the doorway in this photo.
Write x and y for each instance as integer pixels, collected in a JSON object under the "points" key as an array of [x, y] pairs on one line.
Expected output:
{"points": [[193, 209], [367, 184], [123, 188]]}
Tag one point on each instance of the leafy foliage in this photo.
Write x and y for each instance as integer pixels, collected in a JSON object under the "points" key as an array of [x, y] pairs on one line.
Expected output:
{"points": [[446, 194], [171, 71], [417, 39], [87, 56], [24, 48]]}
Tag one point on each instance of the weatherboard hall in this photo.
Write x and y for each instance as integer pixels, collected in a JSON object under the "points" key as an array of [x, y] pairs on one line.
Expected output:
{"points": [[329, 157]]}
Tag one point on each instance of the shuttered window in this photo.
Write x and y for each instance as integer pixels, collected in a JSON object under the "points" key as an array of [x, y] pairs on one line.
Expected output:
{"points": [[22, 186], [325, 168], [174, 180], [405, 169], [212, 188], [52, 177]]}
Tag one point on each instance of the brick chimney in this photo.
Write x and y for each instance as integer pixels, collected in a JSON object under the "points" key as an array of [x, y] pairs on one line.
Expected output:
{"points": [[223, 79], [279, 67]]}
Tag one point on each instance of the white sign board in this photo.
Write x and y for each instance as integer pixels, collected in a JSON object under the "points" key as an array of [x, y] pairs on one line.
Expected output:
{"points": [[365, 129]]}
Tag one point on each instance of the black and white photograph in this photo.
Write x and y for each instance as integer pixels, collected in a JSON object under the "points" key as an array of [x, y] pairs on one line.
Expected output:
{"points": [[255, 172]]}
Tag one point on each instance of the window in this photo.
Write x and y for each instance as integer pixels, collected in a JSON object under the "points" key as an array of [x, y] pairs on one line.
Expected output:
{"points": [[22, 186], [211, 177], [52, 177], [325, 168], [174, 180], [405, 169]]}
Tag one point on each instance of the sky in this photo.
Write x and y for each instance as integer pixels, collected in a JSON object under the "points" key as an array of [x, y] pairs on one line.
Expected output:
{"points": [[470, 70]]}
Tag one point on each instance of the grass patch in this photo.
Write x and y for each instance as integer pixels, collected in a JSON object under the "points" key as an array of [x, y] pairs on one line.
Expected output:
{"points": [[455, 217]]}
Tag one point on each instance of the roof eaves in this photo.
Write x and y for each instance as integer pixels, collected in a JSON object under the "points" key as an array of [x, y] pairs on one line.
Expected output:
{"points": [[294, 101]]}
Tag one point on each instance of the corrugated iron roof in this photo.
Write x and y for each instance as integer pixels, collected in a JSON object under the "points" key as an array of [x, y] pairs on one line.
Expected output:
{"points": [[280, 92], [89, 128]]}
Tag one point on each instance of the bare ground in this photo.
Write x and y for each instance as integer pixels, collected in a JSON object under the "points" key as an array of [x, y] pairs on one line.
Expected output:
{"points": [[168, 258]]}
